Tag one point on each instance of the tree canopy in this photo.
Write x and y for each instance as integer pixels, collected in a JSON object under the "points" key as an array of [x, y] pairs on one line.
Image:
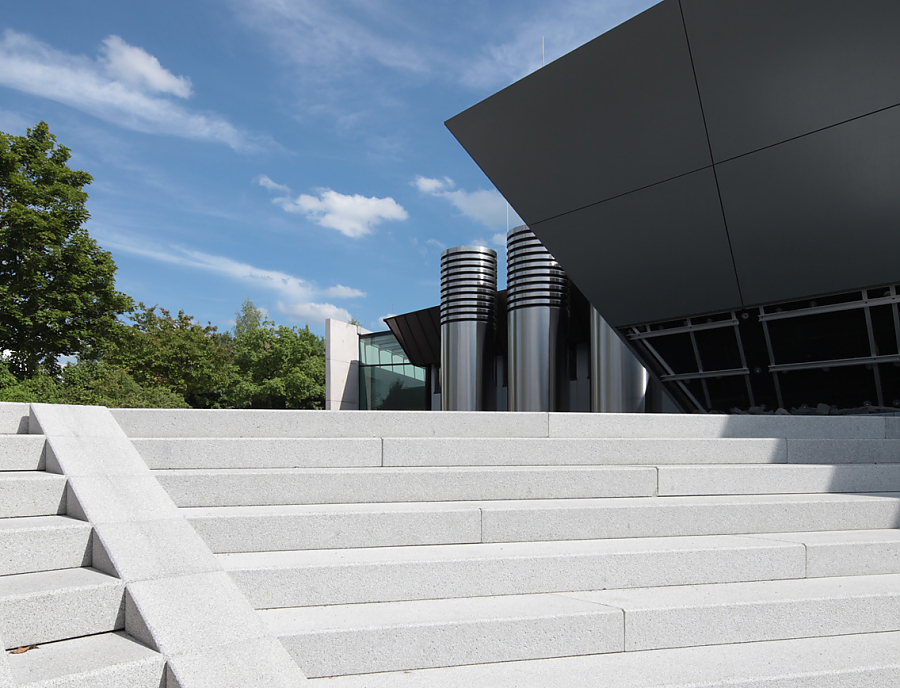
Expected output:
{"points": [[57, 286]]}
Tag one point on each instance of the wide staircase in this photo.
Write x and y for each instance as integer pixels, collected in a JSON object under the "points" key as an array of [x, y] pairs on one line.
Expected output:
{"points": [[61, 620], [498, 549]]}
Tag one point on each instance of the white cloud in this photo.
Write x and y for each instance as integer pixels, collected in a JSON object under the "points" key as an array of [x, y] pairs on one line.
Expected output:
{"points": [[339, 291], [561, 26], [333, 40], [267, 183], [126, 86], [499, 239], [297, 293], [138, 67], [486, 206], [353, 216], [314, 312]]}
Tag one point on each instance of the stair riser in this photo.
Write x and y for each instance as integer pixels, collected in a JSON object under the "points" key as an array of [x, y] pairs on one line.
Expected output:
{"points": [[323, 585], [542, 452], [21, 453], [417, 647], [188, 489], [491, 523], [39, 495], [258, 453], [614, 521], [44, 549], [334, 531], [61, 614], [13, 418], [788, 479]]}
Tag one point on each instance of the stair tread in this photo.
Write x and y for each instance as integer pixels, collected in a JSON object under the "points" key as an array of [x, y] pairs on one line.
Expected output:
{"points": [[21, 453], [45, 582], [805, 663], [106, 659], [52, 522], [488, 551]]}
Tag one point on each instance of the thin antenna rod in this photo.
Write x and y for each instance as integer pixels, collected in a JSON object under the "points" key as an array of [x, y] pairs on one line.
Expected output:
{"points": [[542, 51], [507, 216]]}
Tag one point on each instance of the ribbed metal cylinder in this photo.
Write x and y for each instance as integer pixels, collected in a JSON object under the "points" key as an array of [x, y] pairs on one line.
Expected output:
{"points": [[536, 293], [618, 380], [468, 299]]}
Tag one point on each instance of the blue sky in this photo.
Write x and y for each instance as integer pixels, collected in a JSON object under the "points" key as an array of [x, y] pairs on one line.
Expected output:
{"points": [[291, 152]]}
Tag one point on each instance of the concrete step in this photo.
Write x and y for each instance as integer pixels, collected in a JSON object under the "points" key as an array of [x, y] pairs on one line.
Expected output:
{"points": [[778, 479], [847, 661], [246, 487], [483, 451], [687, 616], [335, 526], [264, 423], [47, 606], [106, 660], [258, 452], [22, 453], [31, 493], [248, 423], [43, 543], [847, 553], [355, 639], [397, 636], [13, 418], [843, 451], [386, 574]]}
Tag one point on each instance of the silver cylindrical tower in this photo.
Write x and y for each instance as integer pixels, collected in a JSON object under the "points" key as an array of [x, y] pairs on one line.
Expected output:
{"points": [[618, 380], [536, 293], [468, 299]]}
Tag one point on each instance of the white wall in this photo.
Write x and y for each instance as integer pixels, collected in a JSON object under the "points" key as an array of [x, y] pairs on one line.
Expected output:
{"points": [[342, 365]]}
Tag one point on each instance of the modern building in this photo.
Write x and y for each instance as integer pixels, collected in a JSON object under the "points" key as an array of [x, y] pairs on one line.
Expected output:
{"points": [[720, 179]]}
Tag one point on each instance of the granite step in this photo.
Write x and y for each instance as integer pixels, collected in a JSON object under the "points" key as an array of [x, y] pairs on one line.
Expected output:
{"points": [[861, 660], [47, 606], [22, 453], [31, 493], [273, 486], [336, 526], [105, 660], [43, 543], [386, 574]]}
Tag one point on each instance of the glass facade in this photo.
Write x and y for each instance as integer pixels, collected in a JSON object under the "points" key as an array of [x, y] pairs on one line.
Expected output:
{"points": [[387, 380]]}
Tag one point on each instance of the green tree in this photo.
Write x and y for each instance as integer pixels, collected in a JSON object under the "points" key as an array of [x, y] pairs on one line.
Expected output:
{"points": [[278, 367], [176, 353], [248, 318], [57, 286]]}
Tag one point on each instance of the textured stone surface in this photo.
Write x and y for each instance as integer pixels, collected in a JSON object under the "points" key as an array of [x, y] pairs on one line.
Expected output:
{"points": [[521, 451], [666, 516], [713, 425], [365, 485], [782, 479], [746, 612], [54, 605], [262, 528], [849, 552], [277, 579], [119, 498], [241, 423], [189, 613], [147, 550], [260, 662], [349, 639], [62, 420], [106, 456], [107, 660], [13, 417], [848, 661], [844, 451], [31, 493], [21, 453], [258, 452], [43, 543]]}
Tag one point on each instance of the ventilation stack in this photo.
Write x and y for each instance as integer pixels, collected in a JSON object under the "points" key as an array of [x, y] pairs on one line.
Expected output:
{"points": [[468, 300], [537, 289], [618, 380]]}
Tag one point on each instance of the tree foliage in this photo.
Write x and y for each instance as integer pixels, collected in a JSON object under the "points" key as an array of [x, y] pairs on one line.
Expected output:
{"points": [[175, 353], [57, 286]]}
